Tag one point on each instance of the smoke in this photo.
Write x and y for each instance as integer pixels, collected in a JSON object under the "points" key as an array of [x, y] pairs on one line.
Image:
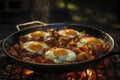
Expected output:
{"points": [[41, 10]]}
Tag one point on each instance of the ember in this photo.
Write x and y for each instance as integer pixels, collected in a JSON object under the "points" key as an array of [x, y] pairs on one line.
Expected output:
{"points": [[27, 71], [88, 74]]}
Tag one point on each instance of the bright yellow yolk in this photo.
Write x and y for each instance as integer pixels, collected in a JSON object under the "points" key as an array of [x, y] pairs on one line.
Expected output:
{"points": [[38, 34], [60, 52], [70, 32], [93, 41], [35, 46]]}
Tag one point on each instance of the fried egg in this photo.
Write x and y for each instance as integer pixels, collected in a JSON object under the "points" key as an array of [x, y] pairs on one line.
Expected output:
{"points": [[69, 33], [35, 47], [89, 41], [36, 34], [39, 34], [60, 55]]}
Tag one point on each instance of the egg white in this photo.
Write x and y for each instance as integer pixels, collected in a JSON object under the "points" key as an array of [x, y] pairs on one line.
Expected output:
{"points": [[27, 44], [62, 33], [69, 56], [47, 36]]}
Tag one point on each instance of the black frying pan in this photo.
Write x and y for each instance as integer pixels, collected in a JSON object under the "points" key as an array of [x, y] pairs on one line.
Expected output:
{"points": [[13, 38]]}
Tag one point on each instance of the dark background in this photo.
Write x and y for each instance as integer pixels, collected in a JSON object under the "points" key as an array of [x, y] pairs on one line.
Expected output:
{"points": [[101, 13]]}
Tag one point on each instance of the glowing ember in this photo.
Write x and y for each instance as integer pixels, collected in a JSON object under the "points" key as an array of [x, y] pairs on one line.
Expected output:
{"points": [[27, 71], [91, 74], [88, 74]]}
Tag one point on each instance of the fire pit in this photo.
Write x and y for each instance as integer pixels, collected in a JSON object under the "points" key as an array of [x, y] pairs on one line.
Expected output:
{"points": [[107, 69]]}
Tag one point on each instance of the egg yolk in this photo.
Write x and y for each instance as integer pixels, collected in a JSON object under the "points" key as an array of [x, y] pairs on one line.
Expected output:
{"points": [[60, 52], [93, 41], [37, 34], [36, 46], [70, 32]]}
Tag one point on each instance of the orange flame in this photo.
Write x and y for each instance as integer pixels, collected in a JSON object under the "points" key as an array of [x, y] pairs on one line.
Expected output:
{"points": [[27, 71], [89, 73]]}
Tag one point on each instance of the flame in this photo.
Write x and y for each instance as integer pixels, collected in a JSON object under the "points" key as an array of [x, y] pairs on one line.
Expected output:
{"points": [[27, 71], [17, 70], [89, 73]]}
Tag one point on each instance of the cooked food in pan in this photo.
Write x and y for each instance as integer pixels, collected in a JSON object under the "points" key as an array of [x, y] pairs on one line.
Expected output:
{"points": [[61, 46]]}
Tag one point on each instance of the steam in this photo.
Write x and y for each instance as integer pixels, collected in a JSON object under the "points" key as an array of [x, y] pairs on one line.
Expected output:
{"points": [[41, 10]]}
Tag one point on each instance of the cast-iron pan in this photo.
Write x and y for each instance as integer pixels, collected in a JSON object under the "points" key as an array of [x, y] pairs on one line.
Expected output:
{"points": [[56, 68]]}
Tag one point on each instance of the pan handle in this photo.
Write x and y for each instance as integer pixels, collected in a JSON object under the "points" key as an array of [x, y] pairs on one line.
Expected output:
{"points": [[29, 24]]}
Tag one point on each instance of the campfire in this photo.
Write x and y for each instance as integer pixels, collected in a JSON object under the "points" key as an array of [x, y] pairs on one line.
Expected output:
{"points": [[88, 74], [93, 73], [103, 70]]}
